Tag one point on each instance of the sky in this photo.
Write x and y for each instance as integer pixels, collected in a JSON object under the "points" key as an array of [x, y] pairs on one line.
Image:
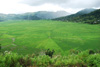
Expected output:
{"points": [[23, 6]]}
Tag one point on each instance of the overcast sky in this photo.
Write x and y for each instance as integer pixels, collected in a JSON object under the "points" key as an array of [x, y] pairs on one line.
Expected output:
{"points": [[22, 6]]}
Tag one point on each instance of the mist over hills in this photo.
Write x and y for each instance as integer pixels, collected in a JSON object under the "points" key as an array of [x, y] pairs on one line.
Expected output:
{"points": [[50, 15], [33, 15]]}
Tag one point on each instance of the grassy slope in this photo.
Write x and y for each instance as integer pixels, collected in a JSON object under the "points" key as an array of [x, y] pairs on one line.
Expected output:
{"points": [[27, 36]]}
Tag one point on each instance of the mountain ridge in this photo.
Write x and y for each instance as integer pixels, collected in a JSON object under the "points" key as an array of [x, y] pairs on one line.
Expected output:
{"points": [[81, 12], [33, 15]]}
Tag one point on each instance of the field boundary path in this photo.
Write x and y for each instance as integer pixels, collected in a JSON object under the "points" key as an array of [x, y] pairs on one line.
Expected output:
{"points": [[13, 40]]}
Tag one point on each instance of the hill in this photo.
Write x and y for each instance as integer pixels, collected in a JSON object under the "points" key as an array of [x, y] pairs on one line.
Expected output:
{"points": [[85, 11], [25, 16], [83, 14], [91, 18], [50, 15], [33, 15]]}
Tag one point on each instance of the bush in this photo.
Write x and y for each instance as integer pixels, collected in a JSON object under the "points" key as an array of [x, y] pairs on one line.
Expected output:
{"points": [[93, 60], [49, 52], [82, 59]]}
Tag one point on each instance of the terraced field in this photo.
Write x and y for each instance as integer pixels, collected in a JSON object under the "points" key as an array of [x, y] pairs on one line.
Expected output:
{"points": [[26, 37]]}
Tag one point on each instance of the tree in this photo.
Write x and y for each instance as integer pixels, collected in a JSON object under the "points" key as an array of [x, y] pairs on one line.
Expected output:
{"points": [[49, 53]]}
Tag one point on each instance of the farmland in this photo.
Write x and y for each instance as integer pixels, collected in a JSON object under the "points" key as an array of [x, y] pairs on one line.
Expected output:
{"points": [[28, 36]]}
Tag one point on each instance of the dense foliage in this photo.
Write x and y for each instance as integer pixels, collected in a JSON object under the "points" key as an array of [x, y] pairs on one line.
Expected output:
{"points": [[81, 59]]}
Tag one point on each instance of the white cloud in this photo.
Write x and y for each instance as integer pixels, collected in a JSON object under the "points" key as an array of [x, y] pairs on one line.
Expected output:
{"points": [[65, 3], [22, 6], [14, 6]]}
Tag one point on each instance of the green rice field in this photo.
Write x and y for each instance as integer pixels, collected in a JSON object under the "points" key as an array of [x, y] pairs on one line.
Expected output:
{"points": [[28, 36]]}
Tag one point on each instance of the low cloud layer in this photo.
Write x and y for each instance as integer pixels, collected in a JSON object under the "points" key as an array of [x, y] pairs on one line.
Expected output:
{"points": [[65, 3]]}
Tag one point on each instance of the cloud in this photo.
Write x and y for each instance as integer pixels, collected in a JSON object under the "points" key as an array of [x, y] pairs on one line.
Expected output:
{"points": [[65, 3], [14, 6], [41, 2], [22, 6]]}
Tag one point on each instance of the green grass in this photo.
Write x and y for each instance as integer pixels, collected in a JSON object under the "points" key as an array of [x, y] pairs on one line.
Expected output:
{"points": [[26, 37]]}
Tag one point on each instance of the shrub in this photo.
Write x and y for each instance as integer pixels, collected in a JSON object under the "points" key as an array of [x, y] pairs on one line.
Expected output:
{"points": [[82, 59], [93, 60], [49, 52]]}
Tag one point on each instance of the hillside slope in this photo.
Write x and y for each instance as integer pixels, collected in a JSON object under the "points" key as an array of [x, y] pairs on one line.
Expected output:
{"points": [[82, 12], [89, 17], [92, 18]]}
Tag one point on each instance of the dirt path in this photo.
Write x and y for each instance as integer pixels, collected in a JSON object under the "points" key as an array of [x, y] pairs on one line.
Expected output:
{"points": [[13, 40]]}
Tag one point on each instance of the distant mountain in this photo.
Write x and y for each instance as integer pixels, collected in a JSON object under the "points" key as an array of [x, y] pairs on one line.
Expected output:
{"points": [[26, 16], [50, 15], [33, 15], [85, 11], [82, 12], [2, 17]]}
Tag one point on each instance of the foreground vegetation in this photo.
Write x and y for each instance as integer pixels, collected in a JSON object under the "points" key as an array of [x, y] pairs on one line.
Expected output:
{"points": [[24, 37], [86, 58]]}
